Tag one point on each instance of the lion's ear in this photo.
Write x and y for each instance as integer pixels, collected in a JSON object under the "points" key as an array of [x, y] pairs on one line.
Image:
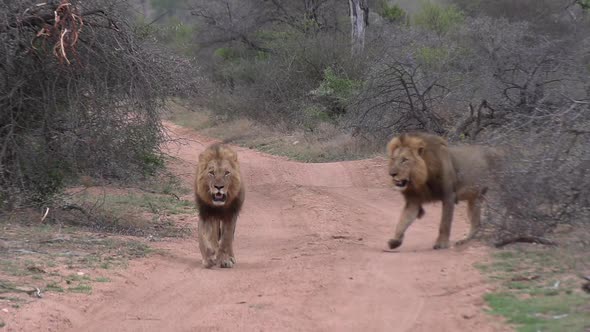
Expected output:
{"points": [[203, 156], [393, 144], [417, 144], [233, 156]]}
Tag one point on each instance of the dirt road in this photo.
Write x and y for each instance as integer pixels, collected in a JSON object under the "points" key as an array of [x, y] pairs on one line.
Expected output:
{"points": [[310, 250]]}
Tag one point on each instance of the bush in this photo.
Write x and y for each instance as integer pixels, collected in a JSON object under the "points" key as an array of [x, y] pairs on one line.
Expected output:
{"points": [[276, 84], [438, 18], [392, 13], [544, 181], [87, 103]]}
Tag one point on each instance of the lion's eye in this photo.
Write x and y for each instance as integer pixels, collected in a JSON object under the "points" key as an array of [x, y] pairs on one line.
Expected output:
{"points": [[404, 160], [226, 173], [211, 173]]}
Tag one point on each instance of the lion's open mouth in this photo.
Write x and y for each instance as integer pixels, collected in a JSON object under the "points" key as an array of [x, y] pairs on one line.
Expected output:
{"points": [[401, 184], [219, 198]]}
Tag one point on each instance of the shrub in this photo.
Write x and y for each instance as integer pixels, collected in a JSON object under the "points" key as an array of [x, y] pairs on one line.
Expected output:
{"points": [[438, 18], [392, 13], [79, 101], [337, 88]]}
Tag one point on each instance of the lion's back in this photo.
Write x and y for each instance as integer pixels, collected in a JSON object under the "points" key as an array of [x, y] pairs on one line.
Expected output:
{"points": [[473, 164]]}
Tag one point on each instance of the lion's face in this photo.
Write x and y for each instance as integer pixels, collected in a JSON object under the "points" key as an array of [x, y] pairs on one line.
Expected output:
{"points": [[218, 180], [406, 165]]}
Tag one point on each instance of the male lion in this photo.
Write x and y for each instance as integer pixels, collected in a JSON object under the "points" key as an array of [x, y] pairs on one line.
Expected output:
{"points": [[425, 169], [219, 194]]}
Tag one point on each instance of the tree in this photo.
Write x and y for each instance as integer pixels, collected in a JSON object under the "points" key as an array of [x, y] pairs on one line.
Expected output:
{"points": [[359, 20]]}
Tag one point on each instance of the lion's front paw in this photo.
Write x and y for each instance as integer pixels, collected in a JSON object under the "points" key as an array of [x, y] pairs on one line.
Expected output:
{"points": [[394, 243], [208, 263], [441, 245], [228, 262]]}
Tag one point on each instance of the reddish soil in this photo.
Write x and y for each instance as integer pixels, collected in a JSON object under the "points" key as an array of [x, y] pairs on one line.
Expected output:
{"points": [[310, 257]]}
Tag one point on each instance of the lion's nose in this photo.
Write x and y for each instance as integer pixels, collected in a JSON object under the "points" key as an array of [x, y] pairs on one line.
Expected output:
{"points": [[218, 187]]}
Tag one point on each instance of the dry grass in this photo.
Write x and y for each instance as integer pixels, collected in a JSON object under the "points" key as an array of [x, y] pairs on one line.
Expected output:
{"points": [[80, 244], [57, 258], [327, 142]]}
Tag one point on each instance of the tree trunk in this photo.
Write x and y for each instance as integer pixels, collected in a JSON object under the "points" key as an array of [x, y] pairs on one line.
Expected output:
{"points": [[359, 19]]}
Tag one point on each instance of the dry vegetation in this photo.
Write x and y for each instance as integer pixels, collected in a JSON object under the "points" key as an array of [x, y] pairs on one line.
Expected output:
{"points": [[462, 70], [80, 94], [83, 86], [326, 143]]}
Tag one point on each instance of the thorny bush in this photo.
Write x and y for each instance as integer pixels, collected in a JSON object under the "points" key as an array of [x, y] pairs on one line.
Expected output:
{"points": [[80, 94]]}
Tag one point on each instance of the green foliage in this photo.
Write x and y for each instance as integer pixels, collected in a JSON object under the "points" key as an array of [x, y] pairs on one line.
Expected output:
{"points": [[226, 53], [49, 183], [433, 57], [309, 24], [336, 86], [392, 13], [182, 35], [143, 30], [313, 115], [585, 4], [438, 18], [176, 34], [262, 56], [172, 32], [151, 162]]}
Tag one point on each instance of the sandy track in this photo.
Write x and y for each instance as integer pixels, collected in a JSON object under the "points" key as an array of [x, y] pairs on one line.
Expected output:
{"points": [[309, 246]]}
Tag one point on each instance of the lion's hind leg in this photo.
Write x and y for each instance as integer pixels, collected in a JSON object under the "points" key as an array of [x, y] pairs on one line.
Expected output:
{"points": [[474, 215], [208, 241], [444, 232]]}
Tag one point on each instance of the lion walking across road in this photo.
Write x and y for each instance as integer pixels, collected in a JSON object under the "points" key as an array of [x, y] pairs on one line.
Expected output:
{"points": [[424, 168], [219, 194]]}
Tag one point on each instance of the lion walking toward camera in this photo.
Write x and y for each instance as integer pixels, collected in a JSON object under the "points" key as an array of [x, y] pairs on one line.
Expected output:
{"points": [[219, 194], [426, 169]]}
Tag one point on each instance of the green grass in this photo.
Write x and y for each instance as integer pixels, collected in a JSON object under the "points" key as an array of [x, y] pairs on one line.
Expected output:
{"points": [[54, 287], [538, 290], [81, 288], [559, 312], [12, 268], [2, 324], [74, 277], [102, 279]]}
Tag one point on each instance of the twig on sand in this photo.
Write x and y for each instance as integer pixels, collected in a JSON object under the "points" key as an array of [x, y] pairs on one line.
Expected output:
{"points": [[525, 239]]}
